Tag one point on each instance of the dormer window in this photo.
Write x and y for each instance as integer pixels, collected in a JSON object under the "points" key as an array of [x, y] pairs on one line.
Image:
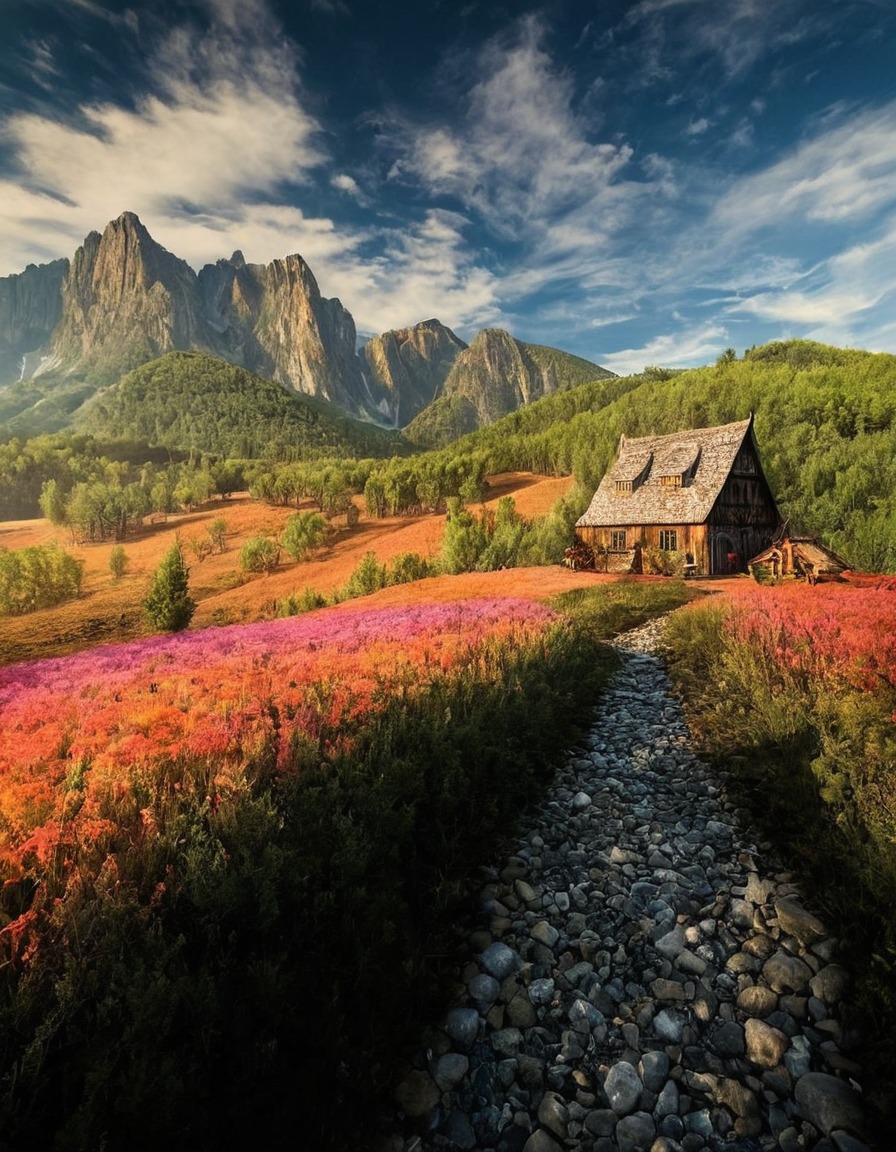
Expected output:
{"points": [[674, 480], [624, 487]]}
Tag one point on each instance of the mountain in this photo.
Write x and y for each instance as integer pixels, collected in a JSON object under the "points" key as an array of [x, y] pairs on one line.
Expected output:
{"points": [[189, 400], [72, 327], [406, 368], [30, 308], [494, 376]]}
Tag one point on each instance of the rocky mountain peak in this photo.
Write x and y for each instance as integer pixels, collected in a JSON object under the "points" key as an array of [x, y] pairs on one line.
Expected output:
{"points": [[406, 368]]}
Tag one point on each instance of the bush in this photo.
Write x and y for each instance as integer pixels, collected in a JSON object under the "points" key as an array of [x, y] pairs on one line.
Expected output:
{"points": [[217, 531], [118, 562], [298, 602], [168, 605], [260, 554], [407, 567], [369, 576], [37, 577], [304, 531]]}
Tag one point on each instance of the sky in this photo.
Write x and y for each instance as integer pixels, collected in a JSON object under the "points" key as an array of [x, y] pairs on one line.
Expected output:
{"points": [[640, 183]]}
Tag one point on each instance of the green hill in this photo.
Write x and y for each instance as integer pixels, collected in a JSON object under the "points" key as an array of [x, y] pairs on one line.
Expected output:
{"points": [[825, 424], [188, 400]]}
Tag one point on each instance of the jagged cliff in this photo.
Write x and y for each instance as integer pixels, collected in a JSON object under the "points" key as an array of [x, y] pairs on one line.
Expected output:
{"points": [[30, 308], [406, 368], [71, 327], [497, 374]]}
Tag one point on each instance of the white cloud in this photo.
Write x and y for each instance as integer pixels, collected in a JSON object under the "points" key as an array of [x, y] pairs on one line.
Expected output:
{"points": [[844, 173], [224, 129], [672, 350], [697, 127]]}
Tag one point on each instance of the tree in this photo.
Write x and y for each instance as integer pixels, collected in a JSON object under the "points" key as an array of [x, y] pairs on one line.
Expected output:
{"points": [[118, 562], [168, 604], [260, 554], [52, 504], [303, 532]]}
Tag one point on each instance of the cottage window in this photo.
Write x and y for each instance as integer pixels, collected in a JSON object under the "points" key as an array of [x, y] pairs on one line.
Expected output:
{"points": [[673, 481], [623, 487], [617, 541], [668, 540]]}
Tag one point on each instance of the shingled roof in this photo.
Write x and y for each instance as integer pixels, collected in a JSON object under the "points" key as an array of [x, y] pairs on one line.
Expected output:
{"points": [[703, 457]]}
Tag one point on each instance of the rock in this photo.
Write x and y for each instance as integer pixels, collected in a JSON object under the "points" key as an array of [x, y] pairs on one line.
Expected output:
{"points": [[796, 921], [785, 973], [757, 1001], [635, 1133], [544, 933], [623, 1088], [668, 1026], [458, 1130], [654, 1068], [765, 1045], [462, 1025], [581, 801], [541, 991], [828, 1103], [484, 988], [541, 1141], [553, 1115], [499, 961], [830, 983], [449, 1070], [417, 1094], [728, 1040]]}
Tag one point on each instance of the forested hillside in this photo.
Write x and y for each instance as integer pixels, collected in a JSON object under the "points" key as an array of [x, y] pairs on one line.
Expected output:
{"points": [[825, 424], [192, 401]]}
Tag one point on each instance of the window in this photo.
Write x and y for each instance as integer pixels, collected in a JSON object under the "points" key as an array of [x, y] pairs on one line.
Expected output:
{"points": [[617, 541], [623, 487], [668, 540], [673, 481]]}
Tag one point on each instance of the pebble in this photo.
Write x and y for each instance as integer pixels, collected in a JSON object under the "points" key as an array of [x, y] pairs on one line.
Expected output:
{"points": [[643, 977]]}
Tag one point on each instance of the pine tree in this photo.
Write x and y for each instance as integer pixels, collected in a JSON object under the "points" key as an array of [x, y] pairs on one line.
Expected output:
{"points": [[168, 605]]}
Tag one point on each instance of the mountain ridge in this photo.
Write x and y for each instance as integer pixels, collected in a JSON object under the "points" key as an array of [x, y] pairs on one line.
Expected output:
{"points": [[122, 300]]}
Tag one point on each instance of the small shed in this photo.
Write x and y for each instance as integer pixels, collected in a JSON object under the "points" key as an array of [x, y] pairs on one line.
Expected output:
{"points": [[799, 556], [700, 494]]}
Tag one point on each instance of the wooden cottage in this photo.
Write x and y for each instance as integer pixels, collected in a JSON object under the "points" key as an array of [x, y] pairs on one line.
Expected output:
{"points": [[802, 557], [701, 493]]}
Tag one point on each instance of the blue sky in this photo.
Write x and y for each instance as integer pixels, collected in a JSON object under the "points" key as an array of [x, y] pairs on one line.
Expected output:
{"points": [[641, 183]]}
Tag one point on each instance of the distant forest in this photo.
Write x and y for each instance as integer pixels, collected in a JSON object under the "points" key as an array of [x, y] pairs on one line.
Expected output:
{"points": [[824, 424]]}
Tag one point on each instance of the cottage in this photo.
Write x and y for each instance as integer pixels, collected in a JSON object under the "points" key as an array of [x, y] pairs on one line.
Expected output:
{"points": [[701, 493], [802, 557]]}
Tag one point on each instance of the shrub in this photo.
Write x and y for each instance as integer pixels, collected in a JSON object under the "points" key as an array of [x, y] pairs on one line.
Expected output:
{"points": [[304, 531], [118, 562], [298, 602], [37, 577], [407, 567], [168, 605], [260, 554], [217, 531], [369, 576]]}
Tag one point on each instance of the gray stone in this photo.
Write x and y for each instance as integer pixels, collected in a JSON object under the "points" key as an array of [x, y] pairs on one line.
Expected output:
{"points": [[845, 1142], [507, 1041], [828, 1103], [601, 1122], [541, 991], [667, 1103], [581, 801], [544, 933], [668, 1026], [462, 1025], [635, 1133], [728, 1040], [623, 1088], [449, 1070], [484, 988], [499, 961], [654, 1068]]}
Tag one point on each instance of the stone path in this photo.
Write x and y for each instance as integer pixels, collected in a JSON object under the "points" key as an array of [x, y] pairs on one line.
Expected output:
{"points": [[641, 984]]}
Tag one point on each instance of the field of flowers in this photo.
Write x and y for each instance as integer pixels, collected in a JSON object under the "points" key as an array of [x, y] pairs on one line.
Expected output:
{"points": [[81, 731], [794, 690]]}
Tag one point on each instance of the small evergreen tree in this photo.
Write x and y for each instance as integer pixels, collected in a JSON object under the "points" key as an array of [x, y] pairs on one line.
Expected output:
{"points": [[118, 562], [168, 604]]}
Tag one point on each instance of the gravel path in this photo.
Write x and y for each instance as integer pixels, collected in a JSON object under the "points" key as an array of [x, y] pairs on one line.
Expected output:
{"points": [[640, 982]]}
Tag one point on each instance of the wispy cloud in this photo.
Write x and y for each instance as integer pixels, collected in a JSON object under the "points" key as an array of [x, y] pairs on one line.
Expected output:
{"points": [[679, 349], [223, 127]]}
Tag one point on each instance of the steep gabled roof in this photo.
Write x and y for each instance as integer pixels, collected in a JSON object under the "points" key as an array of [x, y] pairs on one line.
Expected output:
{"points": [[704, 457]]}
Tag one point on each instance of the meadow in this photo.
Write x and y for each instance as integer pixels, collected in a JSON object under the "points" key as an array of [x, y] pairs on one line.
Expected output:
{"points": [[233, 859]]}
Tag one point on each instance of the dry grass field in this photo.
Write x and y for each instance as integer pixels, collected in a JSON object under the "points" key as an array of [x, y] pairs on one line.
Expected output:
{"points": [[109, 609]]}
